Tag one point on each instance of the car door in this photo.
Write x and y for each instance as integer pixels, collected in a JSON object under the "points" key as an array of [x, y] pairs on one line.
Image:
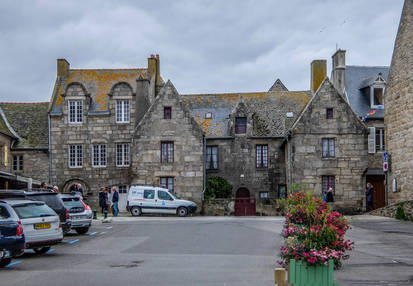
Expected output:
{"points": [[148, 204], [165, 202]]}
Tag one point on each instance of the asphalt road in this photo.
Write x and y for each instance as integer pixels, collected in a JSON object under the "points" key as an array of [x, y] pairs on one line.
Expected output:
{"points": [[206, 251], [158, 251]]}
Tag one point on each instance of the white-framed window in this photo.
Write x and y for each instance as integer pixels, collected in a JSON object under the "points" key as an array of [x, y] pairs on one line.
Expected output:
{"points": [[377, 96], [99, 155], [75, 111], [329, 148], [380, 143], [264, 195], [75, 156], [122, 154], [122, 111], [18, 163]]}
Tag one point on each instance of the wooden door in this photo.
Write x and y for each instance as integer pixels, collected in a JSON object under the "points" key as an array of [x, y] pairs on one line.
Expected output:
{"points": [[379, 196]]}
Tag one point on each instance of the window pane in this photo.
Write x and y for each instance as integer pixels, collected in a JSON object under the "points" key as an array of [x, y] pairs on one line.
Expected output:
{"points": [[331, 147], [170, 152], [240, 125], [126, 111], [149, 194], [79, 111], [118, 111], [378, 96], [325, 147], [258, 151]]}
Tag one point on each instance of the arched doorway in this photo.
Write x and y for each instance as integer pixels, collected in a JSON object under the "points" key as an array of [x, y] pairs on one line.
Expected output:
{"points": [[244, 204]]}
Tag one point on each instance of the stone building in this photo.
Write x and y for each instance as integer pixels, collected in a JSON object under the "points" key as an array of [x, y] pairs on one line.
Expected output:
{"points": [[23, 144], [93, 116], [398, 111], [363, 87]]}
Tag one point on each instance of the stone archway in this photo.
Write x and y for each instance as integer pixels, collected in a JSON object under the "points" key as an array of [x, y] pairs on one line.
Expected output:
{"points": [[244, 204], [68, 185]]}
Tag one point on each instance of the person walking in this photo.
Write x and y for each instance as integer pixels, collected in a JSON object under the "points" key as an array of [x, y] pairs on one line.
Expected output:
{"points": [[115, 200], [330, 198], [369, 197], [103, 199], [56, 189]]}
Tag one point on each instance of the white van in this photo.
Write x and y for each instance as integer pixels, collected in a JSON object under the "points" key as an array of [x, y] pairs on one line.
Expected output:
{"points": [[154, 200]]}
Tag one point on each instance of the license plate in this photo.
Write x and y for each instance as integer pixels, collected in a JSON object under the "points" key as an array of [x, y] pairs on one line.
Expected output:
{"points": [[42, 225]]}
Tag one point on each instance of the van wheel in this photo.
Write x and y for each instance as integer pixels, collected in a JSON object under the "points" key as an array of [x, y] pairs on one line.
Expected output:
{"points": [[41, 250], [4, 262], [182, 211], [135, 211]]}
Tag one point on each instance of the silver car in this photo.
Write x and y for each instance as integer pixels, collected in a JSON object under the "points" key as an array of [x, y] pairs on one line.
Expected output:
{"points": [[79, 212], [41, 225]]}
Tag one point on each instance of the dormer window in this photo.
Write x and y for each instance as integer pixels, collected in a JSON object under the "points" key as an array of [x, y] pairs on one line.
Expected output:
{"points": [[240, 125], [75, 111], [377, 92], [167, 113]]}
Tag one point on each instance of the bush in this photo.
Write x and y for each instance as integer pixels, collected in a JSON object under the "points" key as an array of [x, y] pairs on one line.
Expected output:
{"points": [[400, 212], [218, 188], [313, 233]]}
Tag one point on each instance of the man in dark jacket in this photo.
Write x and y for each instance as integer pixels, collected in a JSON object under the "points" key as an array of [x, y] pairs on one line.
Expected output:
{"points": [[115, 200], [369, 197], [103, 198]]}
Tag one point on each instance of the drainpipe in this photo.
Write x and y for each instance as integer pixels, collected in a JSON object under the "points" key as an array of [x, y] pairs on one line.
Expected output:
{"points": [[50, 153], [204, 173], [290, 167]]}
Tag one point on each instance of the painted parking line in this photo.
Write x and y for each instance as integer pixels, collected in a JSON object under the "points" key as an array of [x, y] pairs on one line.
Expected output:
{"points": [[73, 241], [108, 227], [50, 250], [65, 241], [14, 263], [93, 233], [102, 232]]}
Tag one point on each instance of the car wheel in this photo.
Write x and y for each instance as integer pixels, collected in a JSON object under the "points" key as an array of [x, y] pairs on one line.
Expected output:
{"points": [[182, 211], [41, 250], [135, 211], [82, 230], [4, 262]]}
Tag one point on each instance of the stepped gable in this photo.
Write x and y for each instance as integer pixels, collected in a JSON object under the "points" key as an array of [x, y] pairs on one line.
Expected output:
{"points": [[268, 110], [30, 122]]}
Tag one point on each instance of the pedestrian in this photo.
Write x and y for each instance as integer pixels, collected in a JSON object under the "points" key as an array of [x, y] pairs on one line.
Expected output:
{"points": [[80, 189], [330, 197], [324, 196], [55, 189], [115, 200], [77, 191], [103, 199], [369, 197], [43, 186]]}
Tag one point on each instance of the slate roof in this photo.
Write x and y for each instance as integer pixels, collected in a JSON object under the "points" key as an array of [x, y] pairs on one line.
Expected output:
{"points": [[269, 110], [98, 84], [4, 129], [30, 122], [357, 78]]}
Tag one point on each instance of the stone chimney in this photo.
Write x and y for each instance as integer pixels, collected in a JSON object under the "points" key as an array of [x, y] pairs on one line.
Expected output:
{"points": [[154, 72], [338, 74], [63, 67], [318, 73]]}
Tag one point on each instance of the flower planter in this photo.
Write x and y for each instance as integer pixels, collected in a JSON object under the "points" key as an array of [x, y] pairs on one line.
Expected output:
{"points": [[302, 274]]}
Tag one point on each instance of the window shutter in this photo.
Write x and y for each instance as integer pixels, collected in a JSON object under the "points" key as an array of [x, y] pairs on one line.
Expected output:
{"points": [[372, 140]]}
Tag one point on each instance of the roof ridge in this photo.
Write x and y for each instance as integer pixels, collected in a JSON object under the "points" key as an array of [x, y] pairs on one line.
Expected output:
{"points": [[363, 66], [42, 102], [122, 69], [242, 93]]}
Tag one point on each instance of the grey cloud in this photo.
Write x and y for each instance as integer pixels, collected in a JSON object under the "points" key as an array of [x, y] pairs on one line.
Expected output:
{"points": [[205, 46]]}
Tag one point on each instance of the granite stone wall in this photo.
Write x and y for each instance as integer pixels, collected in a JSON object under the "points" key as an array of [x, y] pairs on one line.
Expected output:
{"points": [[350, 160], [398, 110], [187, 167]]}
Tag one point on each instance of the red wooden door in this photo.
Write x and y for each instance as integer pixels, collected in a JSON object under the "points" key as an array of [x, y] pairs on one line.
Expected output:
{"points": [[245, 206]]}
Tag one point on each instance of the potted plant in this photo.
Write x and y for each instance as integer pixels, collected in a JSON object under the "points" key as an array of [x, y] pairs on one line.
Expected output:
{"points": [[314, 240]]}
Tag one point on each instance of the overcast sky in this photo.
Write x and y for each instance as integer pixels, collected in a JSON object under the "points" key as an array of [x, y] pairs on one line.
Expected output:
{"points": [[204, 46]]}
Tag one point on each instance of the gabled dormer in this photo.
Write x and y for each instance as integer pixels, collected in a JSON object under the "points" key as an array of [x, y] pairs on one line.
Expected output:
{"points": [[377, 88], [240, 120]]}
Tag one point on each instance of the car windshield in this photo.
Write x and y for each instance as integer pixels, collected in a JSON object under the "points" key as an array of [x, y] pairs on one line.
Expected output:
{"points": [[52, 200], [72, 203], [33, 210]]}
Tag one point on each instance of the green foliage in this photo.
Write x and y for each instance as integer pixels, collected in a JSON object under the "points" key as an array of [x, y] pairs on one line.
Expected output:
{"points": [[218, 188], [400, 212], [295, 188]]}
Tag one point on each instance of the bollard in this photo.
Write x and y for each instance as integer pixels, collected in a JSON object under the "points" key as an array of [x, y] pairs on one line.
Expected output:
{"points": [[280, 277], [105, 213], [95, 216]]}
